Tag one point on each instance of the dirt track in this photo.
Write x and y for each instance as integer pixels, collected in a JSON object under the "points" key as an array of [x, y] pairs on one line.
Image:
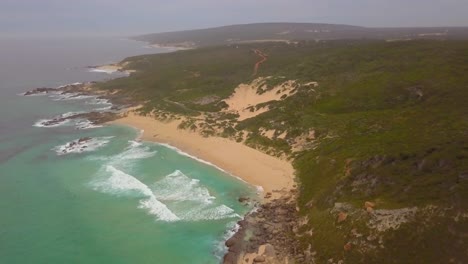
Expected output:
{"points": [[263, 57]]}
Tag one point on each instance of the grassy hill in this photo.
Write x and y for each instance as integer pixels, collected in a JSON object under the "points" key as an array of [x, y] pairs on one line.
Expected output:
{"points": [[384, 178], [259, 32]]}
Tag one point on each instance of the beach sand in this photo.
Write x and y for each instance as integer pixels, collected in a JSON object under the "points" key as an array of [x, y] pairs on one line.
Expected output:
{"points": [[257, 168], [111, 68]]}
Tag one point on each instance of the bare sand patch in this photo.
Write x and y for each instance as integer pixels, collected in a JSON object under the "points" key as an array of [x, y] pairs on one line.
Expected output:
{"points": [[246, 97]]}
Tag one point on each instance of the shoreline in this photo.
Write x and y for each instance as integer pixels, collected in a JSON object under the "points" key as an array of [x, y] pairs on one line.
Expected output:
{"points": [[273, 175], [110, 68], [276, 206]]}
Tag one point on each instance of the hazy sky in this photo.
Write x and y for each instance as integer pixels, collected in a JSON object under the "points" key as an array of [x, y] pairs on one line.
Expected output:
{"points": [[141, 16]]}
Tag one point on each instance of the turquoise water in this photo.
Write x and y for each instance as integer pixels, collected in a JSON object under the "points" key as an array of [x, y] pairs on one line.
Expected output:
{"points": [[120, 200]]}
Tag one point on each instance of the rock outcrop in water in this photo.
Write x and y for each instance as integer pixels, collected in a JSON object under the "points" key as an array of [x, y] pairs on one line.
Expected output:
{"points": [[95, 118]]}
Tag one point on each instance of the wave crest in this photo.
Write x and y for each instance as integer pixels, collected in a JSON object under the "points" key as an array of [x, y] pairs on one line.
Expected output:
{"points": [[192, 200], [120, 183]]}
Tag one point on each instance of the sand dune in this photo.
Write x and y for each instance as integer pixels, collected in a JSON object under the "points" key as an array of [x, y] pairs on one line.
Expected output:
{"points": [[247, 96]]}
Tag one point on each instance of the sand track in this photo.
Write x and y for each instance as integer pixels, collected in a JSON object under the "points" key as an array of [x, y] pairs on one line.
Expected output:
{"points": [[263, 58]]}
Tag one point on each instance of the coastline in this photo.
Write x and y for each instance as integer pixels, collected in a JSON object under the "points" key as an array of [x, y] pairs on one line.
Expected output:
{"points": [[260, 235], [273, 175], [111, 68]]}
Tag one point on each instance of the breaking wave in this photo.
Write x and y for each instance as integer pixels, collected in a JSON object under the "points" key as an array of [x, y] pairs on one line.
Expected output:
{"points": [[82, 145], [56, 121], [178, 187], [123, 184], [107, 71], [192, 201], [85, 124], [69, 96]]}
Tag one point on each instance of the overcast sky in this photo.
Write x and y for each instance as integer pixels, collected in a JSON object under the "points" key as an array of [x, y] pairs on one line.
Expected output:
{"points": [[145, 16]]}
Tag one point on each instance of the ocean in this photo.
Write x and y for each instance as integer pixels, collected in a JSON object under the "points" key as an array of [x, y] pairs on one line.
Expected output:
{"points": [[114, 199]]}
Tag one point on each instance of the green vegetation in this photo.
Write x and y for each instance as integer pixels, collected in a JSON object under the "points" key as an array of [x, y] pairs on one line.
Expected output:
{"points": [[391, 127]]}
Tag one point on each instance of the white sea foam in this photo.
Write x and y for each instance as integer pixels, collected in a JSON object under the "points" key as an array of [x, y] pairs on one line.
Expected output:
{"points": [[70, 96], [120, 183], [62, 96], [43, 123], [190, 156], [80, 146], [35, 94], [70, 84], [69, 114], [192, 200], [103, 109], [140, 134], [186, 198], [98, 101], [55, 120], [85, 124], [108, 71], [220, 246], [135, 151], [178, 187], [209, 213]]}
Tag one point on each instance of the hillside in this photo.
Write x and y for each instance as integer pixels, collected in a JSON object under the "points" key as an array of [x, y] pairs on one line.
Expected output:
{"points": [[377, 132], [291, 32]]}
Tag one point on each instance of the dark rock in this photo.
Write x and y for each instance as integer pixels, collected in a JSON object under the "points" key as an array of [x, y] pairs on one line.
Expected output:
{"points": [[230, 258], [41, 91], [243, 199], [85, 139], [230, 242]]}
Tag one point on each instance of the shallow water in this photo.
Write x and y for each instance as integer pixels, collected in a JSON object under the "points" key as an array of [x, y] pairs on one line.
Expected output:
{"points": [[116, 200]]}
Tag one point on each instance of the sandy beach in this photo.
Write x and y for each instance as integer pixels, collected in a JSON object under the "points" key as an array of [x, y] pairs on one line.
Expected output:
{"points": [[257, 168], [111, 68]]}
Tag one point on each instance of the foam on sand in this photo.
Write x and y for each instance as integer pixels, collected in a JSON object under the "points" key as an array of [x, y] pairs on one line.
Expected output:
{"points": [[120, 183]]}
